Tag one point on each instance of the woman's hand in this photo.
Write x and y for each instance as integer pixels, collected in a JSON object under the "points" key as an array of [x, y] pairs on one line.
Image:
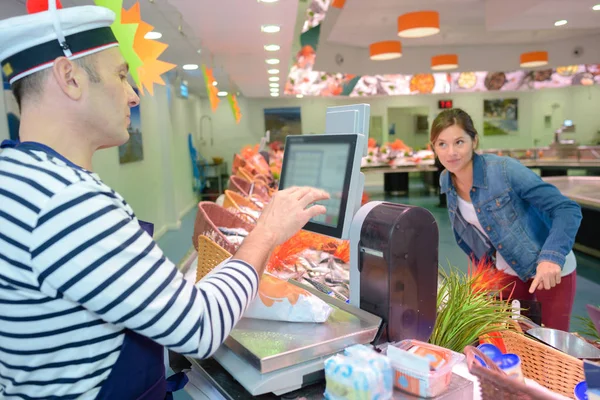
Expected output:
{"points": [[547, 276]]}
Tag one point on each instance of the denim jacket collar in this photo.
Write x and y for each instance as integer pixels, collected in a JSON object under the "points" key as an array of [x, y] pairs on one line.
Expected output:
{"points": [[479, 175]]}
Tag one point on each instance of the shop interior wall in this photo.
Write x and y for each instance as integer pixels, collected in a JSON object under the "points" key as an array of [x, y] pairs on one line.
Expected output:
{"points": [[159, 187]]}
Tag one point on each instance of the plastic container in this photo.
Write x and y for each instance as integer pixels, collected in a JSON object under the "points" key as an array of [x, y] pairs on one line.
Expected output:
{"points": [[420, 368], [580, 391]]}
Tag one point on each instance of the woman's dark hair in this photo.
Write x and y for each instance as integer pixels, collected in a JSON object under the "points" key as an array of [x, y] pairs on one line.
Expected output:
{"points": [[448, 118]]}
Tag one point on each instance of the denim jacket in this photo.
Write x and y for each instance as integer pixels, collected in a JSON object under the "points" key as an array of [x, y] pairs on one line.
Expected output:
{"points": [[527, 220]]}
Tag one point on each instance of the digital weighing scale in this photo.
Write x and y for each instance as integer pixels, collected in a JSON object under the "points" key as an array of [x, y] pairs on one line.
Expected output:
{"points": [[393, 272]]}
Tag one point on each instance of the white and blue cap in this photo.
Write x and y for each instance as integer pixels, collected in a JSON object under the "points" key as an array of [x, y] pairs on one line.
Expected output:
{"points": [[30, 43]]}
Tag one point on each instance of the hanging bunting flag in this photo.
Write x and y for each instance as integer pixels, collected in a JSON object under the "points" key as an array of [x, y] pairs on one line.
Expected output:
{"points": [[235, 107], [211, 89], [140, 53]]}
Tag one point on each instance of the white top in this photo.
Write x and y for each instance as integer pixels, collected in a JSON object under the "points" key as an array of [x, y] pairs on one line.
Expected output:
{"points": [[76, 269], [468, 212]]}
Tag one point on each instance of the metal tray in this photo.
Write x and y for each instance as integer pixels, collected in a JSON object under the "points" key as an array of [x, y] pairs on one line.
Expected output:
{"points": [[271, 345]]}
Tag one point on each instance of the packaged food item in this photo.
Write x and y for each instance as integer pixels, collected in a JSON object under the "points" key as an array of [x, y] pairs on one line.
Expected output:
{"points": [[358, 374], [511, 365], [279, 300], [420, 368]]}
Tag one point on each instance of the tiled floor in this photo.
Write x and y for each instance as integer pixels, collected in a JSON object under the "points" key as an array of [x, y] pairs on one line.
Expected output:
{"points": [[176, 244]]}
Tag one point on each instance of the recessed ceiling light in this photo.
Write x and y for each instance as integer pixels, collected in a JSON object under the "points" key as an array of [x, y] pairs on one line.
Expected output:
{"points": [[273, 71], [274, 79], [275, 94], [215, 83], [273, 84], [270, 28], [596, 7], [199, 51], [272, 47], [560, 22], [299, 96], [153, 35], [190, 67], [272, 61], [274, 89], [222, 94], [267, 1]]}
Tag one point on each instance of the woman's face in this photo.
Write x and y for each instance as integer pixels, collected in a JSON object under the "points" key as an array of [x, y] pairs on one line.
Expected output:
{"points": [[454, 148]]}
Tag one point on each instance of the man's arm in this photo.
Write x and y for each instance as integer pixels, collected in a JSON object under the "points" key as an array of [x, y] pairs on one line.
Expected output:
{"points": [[92, 253]]}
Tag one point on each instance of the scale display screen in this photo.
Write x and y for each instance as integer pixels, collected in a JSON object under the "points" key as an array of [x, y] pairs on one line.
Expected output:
{"points": [[323, 162]]}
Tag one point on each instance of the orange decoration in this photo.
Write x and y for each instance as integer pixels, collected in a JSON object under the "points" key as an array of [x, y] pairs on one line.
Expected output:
{"points": [[338, 3], [444, 62], [148, 51], [534, 59], [418, 24], [273, 290], [386, 50], [343, 251], [211, 89]]}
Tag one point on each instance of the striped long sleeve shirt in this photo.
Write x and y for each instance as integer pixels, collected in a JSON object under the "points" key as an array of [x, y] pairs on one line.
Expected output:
{"points": [[76, 270]]}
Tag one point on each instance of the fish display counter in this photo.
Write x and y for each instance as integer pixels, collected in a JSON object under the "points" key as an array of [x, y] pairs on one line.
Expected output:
{"points": [[584, 190]]}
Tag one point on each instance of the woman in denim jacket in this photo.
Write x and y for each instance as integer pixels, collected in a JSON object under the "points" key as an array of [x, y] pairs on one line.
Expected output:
{"points": [[501, 210]]}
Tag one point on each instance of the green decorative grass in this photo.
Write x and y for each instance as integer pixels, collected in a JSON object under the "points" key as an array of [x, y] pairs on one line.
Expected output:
{"points": [[466, 313]]}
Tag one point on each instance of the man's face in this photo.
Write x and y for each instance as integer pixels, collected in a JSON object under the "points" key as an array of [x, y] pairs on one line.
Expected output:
{"points": [[108, 102]]}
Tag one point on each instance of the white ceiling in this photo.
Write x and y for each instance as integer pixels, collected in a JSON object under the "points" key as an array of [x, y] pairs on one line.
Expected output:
{"points": [[468, 22], [227, 33], [486, 34]]}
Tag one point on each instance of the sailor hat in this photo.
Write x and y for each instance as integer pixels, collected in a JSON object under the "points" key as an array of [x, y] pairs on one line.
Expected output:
{"points": [[30, 43]]}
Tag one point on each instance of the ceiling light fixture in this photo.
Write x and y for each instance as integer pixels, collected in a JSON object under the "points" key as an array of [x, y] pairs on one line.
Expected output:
{"points": [[444, 62], [215, 83], [418, 24], [153, 35], [560, 22], [299, 96], [190, 67], [596, 7], [222, 94], [274, 85], [273, 71], [268, 1], [270, 28], [274, 79], [388, 50], [275, 94], [272, 61], [274, 89], [534, 59], [272, 47]]}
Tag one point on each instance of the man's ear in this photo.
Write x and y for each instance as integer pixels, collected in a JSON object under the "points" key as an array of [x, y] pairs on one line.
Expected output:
{"points": [[68, 77]]}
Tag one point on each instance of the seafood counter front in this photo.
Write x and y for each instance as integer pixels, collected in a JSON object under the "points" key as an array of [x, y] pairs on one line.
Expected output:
{"points": [[350, 318]]}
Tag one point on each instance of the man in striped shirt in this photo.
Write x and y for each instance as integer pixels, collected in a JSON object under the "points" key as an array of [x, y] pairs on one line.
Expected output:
{"points": [[85, 293]]}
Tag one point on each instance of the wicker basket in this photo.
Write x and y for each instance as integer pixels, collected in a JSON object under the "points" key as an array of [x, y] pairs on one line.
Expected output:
{"points": [[237, 203], [547, 366], [210, 217], [243, 187], [210, 255], [496, 385], [238, 162]]}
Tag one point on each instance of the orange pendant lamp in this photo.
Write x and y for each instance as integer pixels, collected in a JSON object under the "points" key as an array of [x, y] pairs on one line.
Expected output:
{"points": [[418, 24], [443, 62], [387, 50], [534, 59]]}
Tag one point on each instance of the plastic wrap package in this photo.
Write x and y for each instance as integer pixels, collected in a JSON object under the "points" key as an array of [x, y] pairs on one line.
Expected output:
{"points": [[279, 300], [359, 374]]}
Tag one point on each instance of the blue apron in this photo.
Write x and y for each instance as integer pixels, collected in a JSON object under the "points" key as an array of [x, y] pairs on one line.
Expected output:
{"points": [[139, 373]]}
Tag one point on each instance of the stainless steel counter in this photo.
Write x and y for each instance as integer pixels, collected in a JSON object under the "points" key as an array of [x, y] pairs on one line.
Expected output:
{"points": [[584, 190]]}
